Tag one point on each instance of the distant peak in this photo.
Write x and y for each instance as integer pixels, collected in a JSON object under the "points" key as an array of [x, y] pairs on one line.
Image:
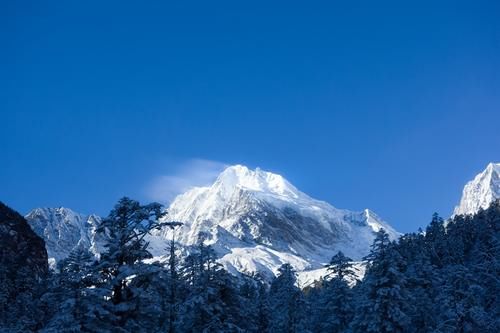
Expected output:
{"points": [[54, 212], [481, 191], [493, 167], [489, 176], [60, 210]]}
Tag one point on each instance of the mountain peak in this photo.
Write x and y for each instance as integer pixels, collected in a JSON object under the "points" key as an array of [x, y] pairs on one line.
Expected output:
{"points": [[257, 220], [49, 211], [481, 191], [493, 167], [258, 180], [63, 229]]}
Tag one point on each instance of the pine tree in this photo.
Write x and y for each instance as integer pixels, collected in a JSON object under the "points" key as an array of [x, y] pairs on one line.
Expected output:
{"points": [[213, 303], [379, 246], [467, 299], [287, 303], [173, 280], [121, 266], [152, 286], [334, 308], [460, 305], [341, 268], [263, 310], [435, 241], [385, 304], [70, 301], [421, 281]]}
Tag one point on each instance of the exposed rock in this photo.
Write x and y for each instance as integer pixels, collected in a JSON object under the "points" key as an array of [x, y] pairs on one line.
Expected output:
{"points": [[21, 248]]}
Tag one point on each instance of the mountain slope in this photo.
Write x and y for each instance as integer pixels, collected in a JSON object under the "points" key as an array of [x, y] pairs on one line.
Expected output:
{"points": [[63, 230], [481, 191], [257, 220], [21, 251]]}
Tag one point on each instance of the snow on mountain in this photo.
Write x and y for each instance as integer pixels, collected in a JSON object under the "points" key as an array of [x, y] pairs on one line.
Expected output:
{"points": [[63, 230], [257, 220], [481, 191], [308, 278]]}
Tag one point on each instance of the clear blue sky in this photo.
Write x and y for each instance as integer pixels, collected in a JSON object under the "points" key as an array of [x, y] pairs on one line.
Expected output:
{"points": [[386, 105]]}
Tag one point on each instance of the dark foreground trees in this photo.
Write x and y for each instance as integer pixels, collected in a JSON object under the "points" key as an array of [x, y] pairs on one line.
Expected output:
{"points": [[446, 279]]}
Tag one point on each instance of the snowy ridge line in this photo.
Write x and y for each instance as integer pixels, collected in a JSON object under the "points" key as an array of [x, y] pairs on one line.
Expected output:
{"points": [[255, 220], [480, 192]]}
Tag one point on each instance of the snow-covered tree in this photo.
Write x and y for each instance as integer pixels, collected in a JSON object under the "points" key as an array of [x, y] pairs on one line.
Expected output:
{"points": [[287, 303], [421, 281], [460, 304], [213, 303], [70, 300], [379, 246], [384, 305], [341, 268], [121, 266], [262, 312], [334, 304], [436, 242]]}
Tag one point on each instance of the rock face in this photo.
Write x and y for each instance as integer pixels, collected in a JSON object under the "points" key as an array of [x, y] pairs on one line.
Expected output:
{"points": [[480, 192], [22, 253], [257, 220], [63, 230]]}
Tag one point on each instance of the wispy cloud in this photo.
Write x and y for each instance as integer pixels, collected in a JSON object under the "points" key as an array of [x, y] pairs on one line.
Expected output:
{"points": [[186, 175]]}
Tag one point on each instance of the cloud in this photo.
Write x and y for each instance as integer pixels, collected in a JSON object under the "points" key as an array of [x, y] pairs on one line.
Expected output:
{"points": [[186, 175]]}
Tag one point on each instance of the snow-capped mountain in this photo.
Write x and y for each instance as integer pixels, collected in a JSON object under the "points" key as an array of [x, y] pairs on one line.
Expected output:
{"points": [[257, 220], [63, 230], [481, 191]]}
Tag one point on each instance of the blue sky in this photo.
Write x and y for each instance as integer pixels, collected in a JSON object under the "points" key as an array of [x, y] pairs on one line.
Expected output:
{"points": [[386, 105]]}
